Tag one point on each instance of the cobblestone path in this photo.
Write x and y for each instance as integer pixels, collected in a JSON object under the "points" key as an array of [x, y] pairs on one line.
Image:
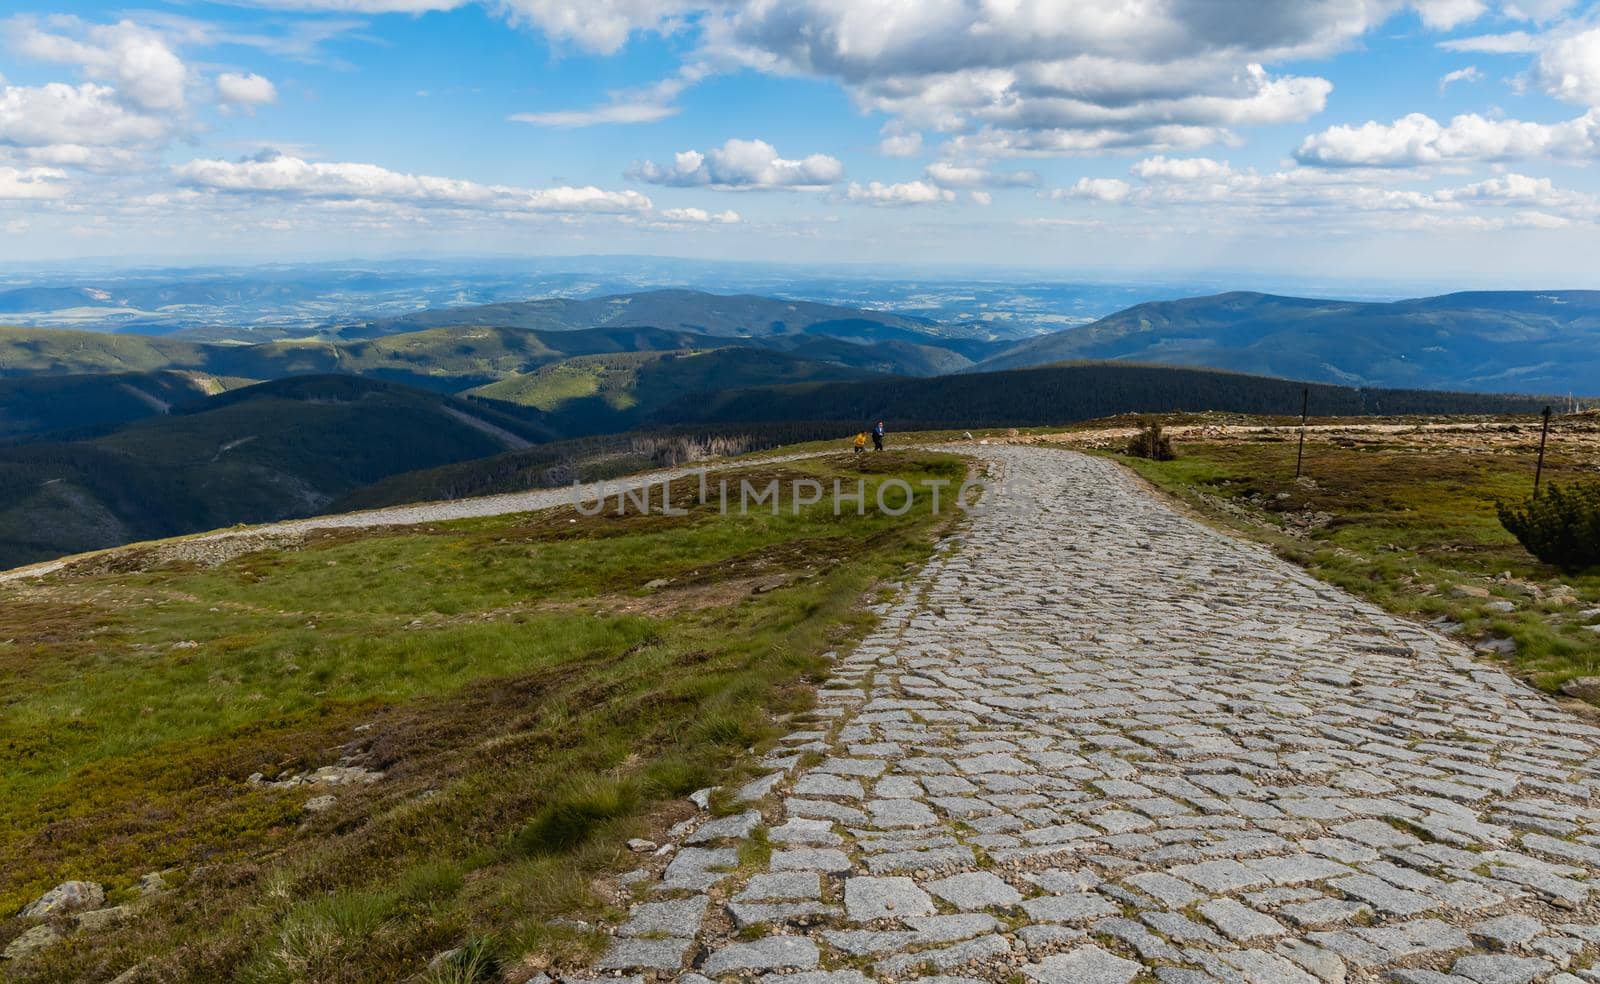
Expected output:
{"points": [[1097, 742]]}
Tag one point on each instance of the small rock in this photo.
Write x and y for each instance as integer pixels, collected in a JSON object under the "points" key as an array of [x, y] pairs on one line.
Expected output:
{"points": [[152, 883], [659, 582], [1469, 591], [66, 897], [1503, 607], [639, 845], [317, 804], [702, 797]]}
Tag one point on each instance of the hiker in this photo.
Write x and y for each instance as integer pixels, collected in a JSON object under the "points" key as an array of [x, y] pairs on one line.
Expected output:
{"points": [[877, 437], [861, 442]]}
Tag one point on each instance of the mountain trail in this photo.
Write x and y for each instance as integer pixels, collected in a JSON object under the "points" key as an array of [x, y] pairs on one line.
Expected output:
{"points": [[1097, 741]]}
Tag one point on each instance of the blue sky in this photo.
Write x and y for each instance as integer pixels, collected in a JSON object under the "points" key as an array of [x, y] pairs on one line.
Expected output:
{"points": [[1438, 139]]}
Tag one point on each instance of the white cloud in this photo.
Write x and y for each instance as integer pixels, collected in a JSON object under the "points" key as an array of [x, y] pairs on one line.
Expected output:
{"points": [[32, 183], [1043, 77], [1181, 169], [87, 115], [1097, 189], [1417, 139], [981, 197], [615, 112], [296, 178], [138, 62], [898, 141], [906, 193], [1442, 15], [743, 165], [643, 105], [1468, 74], [1512, 43], [245, 92], [698, 216], [1569, 68], [947, 175]]}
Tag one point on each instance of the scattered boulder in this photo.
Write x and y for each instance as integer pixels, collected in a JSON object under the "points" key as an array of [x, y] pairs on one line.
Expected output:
{"points": [[152, 883], [317, 804], [1502, 607], [1469, 591], [1583, 688], [31, 942], [97, 919], [639, 845], [328, 775], [67, 897]]}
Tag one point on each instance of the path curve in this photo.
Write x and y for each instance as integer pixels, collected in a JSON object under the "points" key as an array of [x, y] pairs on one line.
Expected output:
{"points": [[1098, 742]]}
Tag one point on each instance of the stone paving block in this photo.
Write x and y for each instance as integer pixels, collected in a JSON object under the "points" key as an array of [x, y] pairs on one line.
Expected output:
{"points": [[651, 954], [680, 918], [1238, 921], [867, 899], [767, 953], [974, 890], [1085, 965]]}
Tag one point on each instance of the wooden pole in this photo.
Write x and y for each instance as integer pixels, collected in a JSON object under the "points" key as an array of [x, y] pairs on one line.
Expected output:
{"points": [[1544, 435], [1305, 405]]}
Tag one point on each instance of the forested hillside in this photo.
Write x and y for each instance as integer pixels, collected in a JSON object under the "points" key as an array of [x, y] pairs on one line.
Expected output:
{"points": [[1498, 341]]}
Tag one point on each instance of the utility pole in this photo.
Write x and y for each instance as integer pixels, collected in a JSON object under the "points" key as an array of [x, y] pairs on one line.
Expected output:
{"points": [[1305, 405], [1538, 470]]}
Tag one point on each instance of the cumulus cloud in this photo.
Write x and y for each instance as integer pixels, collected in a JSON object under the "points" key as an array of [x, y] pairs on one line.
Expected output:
{"points": [[1180, 169], [1443, 15], [898, 141], [138, 62], [292, 177], [1096, 189], [1569, 67], [87, 115], [1417, 139], [741, 165], [905, 193], [34, 183], [245, 92], [1038, 77]]}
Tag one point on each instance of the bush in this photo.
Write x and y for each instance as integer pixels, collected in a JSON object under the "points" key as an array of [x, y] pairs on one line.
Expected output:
{"points": [[1560, 526], [1151, 443]]}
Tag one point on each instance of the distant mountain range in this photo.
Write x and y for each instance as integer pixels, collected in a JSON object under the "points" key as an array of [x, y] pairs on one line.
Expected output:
{"points": [[1503, 341], [106, 438]]}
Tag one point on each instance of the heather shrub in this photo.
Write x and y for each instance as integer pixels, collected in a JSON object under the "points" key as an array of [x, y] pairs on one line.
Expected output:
{"points": [[1560, 526]]}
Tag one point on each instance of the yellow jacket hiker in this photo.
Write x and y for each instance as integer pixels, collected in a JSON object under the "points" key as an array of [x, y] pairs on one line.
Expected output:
{"points": [[861, 442]]}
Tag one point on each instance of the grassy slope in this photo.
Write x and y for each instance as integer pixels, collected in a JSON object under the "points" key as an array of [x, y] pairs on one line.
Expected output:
{"points": [[1407, 526], [531, 702]]}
